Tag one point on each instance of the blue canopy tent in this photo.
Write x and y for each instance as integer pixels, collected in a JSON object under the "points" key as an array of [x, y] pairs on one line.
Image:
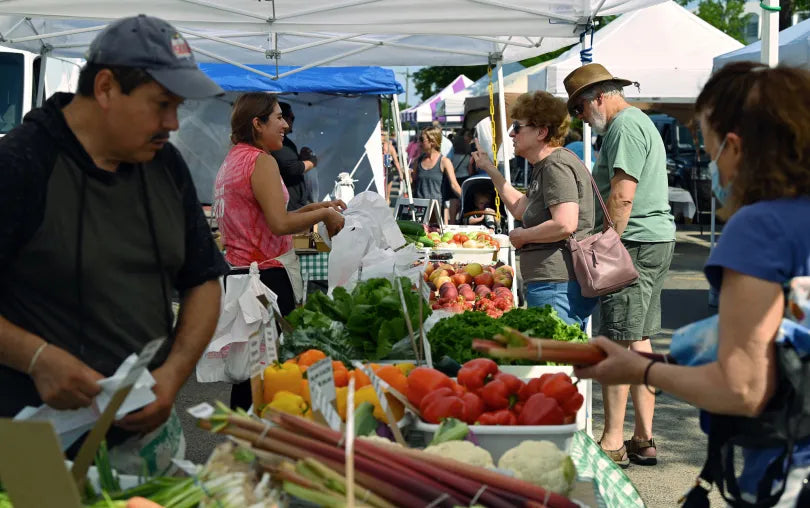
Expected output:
{"points": [[337, 115]]}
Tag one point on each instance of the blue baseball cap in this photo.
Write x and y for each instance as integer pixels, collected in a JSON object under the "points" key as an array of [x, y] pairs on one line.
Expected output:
{"points": [[157, 47]]}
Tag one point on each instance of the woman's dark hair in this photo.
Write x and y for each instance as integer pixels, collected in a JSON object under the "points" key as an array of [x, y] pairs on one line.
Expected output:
{"points": [[247, 107], [769, 108], [129, 78]]}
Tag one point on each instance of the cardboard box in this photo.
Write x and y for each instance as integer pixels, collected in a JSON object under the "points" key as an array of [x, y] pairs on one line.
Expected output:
{"points": [[302, 241]]}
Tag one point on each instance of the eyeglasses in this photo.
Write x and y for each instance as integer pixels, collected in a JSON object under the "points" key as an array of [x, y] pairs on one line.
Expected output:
{"points": [[516, 126], [578, 109]]}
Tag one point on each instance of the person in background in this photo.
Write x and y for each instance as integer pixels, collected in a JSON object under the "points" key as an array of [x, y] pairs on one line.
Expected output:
{"points": [[431, 169], [102, 225], [756, 126], [482, 201], [460, 158], [413, 150], [250, 204], [392, 167], [292, 164], [559, 203], [631, 174]]}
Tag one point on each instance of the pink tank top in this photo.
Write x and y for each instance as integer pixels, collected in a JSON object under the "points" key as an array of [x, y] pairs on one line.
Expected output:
{"points": [[245, 233]]}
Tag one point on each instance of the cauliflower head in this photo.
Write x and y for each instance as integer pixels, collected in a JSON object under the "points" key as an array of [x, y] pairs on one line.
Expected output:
{"points": [[541, 463], [462, 451]]}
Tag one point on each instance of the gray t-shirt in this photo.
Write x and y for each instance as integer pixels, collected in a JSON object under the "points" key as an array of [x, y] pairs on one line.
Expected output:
{"points": [[559, 178]]}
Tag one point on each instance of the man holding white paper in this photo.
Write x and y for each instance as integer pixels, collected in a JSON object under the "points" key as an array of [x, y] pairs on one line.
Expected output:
{"points": [[102, 225]]}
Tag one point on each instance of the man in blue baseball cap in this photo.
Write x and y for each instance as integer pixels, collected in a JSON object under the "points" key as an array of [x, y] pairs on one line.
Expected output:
{"points": [[101, 228]]}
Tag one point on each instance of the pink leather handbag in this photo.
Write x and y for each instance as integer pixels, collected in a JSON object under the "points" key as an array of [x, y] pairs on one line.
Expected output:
{"points": [[601, 262]]}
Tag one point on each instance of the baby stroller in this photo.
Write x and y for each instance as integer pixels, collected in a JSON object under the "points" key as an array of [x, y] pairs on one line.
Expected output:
{"points": [[481, 184]]}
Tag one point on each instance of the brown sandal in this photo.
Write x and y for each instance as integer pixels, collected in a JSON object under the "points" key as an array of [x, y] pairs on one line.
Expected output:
{"points": [[642, 452], [619, 456]]}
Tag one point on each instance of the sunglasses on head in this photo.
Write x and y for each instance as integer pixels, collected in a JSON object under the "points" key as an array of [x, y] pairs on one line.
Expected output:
{"points": [[516, 126]]}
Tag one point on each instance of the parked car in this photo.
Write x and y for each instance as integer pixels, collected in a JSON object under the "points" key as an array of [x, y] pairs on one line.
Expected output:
{"points": [[687, 161]]}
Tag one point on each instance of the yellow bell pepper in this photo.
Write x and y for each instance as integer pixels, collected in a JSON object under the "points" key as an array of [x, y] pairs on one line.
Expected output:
{"points": [[406, 367], [284, 377], [341, 401], [367, 394], [291, 403]]}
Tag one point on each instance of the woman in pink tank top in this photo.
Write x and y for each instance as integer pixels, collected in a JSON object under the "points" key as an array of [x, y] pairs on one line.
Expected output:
{"points": [[250, 204]]}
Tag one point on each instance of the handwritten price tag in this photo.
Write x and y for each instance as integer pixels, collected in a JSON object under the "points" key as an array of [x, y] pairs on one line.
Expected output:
{"points": [[255, 354], [322, 391]]}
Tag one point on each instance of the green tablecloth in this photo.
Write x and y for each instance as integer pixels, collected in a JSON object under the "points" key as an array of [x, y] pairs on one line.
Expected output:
{"points": [[314, 265], [613, 488]]}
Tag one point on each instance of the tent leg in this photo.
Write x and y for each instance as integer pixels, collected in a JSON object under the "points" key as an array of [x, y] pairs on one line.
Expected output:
{"points": [[507, 147], [401, 152], [43, 58], [770, 34]]}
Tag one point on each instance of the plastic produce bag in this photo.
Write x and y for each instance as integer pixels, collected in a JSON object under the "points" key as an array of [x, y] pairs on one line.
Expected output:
{"points": [[226, 358], [364, 249]]}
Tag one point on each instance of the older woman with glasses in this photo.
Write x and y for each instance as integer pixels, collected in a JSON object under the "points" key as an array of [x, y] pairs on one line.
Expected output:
{"points": [[558, 204]]}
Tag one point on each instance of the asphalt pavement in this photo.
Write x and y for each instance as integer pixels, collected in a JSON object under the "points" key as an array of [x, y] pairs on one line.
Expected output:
{"points": [[681, 444]]}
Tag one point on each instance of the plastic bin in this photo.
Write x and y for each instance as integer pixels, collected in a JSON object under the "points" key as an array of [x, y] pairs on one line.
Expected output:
{"points": [[484, 256], [497, 439]]}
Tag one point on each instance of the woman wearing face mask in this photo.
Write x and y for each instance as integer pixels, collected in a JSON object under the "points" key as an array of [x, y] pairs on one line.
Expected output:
{"points": [[250, 204], [756, 125]]}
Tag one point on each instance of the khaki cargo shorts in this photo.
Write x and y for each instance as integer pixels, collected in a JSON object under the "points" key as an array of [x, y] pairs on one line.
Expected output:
{"points": [[635, 311]]}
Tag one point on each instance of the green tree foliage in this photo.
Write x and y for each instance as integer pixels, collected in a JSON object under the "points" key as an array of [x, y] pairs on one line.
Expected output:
{"points": [[430, 80], [725, 15]]}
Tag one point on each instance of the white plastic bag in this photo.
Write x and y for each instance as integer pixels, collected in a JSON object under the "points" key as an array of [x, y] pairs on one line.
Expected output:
{"points": [[226, 358], [368, 238]]}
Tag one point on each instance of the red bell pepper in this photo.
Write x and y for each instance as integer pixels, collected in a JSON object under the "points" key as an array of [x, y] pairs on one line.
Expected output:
{"points": [[474, 374], [559, 387], [572, 405], [440, 404], [533, 386], [473, 407], [496, 395], [424, 380], [513, 383], [501, 417], [541, 410]]}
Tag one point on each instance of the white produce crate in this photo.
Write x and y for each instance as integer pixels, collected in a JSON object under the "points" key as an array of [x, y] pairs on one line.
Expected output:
{"points": [[497, 439], [484, 256]]}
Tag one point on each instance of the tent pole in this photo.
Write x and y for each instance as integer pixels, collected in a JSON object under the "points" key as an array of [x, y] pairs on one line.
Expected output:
{"points": [[770, 32], [43, 59], [401, 152], [232, 62], [505, 145], [39, 37]]}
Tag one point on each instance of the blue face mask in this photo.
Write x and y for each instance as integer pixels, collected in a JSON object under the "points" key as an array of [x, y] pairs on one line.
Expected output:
{"points": [[720, 192]]}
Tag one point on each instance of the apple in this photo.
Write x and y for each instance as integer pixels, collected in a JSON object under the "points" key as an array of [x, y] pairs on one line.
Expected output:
{"points": [[496, 285], [503, 292], [482, 291], [440, 281], [450, 268], [474, 269], [462, 278], [429, 269], [438, 273], [448, 290], [466, 292], [490, 269], [505, 269], [484, 279], [503, 279]]}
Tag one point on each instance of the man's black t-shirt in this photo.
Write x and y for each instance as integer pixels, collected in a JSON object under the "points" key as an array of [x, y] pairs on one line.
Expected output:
{"points": [[103, 301], [292, 172]]}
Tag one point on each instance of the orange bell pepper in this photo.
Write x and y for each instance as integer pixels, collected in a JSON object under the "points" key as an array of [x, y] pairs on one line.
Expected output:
{"points": [[309, 357], [360, 378], [394, 377], [423, 380], [341, 374]]}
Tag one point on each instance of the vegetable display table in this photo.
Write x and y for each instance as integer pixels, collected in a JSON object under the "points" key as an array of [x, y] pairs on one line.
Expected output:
{"points": [[612, 487]]}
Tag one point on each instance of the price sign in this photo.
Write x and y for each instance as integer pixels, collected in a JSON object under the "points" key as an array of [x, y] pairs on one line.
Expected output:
{"points": [[203, 411], [255, 354], [425, 211], [322, 391], [270, 341]]}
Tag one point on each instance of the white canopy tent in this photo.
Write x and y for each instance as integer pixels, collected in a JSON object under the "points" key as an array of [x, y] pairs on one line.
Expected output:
{"points": [[423, 113], [648, 46], [451, 108], [794, 48], [326, 32]]}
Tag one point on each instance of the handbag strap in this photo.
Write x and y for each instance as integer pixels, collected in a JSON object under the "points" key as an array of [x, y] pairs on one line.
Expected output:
{"points": [[595, 188]]}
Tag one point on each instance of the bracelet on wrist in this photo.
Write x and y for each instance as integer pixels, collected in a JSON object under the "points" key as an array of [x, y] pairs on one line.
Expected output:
{"points": [[646, 375], [35, 357]]}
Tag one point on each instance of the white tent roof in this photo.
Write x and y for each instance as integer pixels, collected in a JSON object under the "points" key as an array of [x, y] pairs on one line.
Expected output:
{"points": [[665, 48], [452, 107], [424, 112], [323, 32], [794, 48]]}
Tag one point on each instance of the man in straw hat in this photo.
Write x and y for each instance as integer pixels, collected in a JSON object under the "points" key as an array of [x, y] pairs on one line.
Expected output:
{"points": [[632, 179], [102, 227]]}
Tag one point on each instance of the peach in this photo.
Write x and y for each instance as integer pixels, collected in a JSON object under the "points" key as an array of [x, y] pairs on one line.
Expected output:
{"points": [[474, 269], [440, 281], [484, 279]]}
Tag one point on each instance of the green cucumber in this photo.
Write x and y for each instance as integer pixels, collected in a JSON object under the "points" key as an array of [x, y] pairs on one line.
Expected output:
{"points": [[425, 241], [411, 228]]}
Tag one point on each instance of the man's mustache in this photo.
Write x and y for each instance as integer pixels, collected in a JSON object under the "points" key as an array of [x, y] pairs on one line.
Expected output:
{"points": [[161, 136]]}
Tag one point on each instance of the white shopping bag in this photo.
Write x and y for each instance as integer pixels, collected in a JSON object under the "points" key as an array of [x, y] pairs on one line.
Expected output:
{"points": [[365, 248], [227, 358]]}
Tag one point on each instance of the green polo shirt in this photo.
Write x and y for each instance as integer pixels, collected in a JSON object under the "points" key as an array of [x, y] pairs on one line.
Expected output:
{"points": [[633, 144]]}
